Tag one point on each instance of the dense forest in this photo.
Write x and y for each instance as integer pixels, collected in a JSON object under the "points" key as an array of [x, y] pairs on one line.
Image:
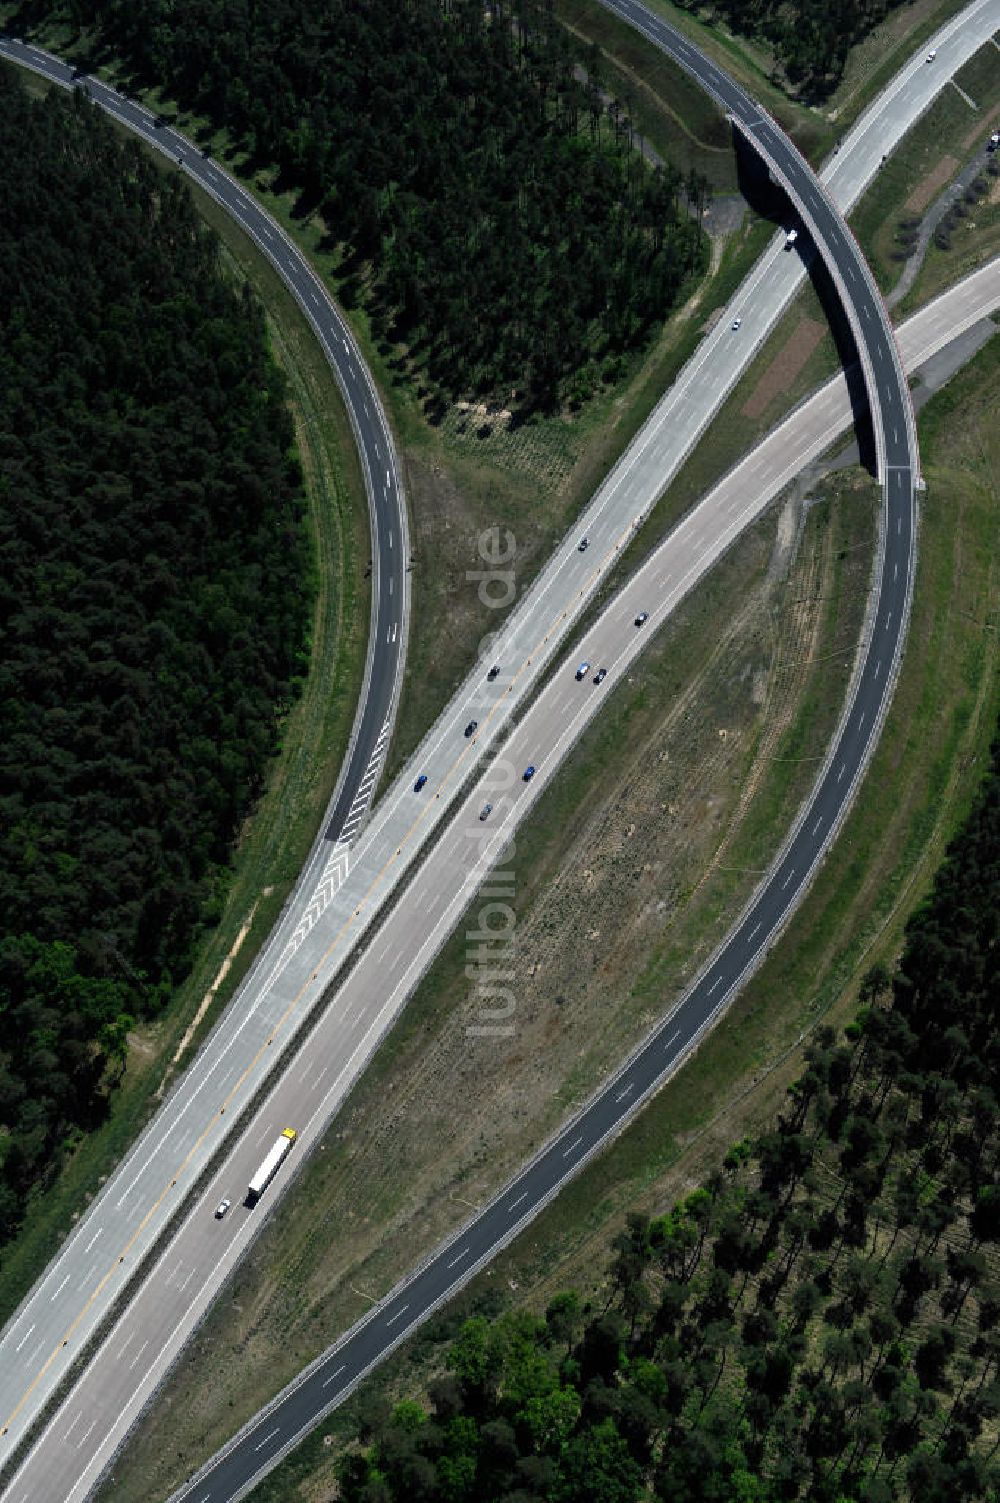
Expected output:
{"points": [[810, 38], [154, 594], [820, 1321], [491, 210]]}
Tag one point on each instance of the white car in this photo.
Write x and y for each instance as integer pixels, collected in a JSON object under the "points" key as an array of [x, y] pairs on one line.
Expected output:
{"points": [[582, 671], [736, 323], [932, 54], [222, 1208]]}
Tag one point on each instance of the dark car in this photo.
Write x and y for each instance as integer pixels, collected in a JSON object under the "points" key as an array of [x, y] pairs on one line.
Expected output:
{"points": [[485, 811], [493, 673], [420, 782], [583, 545], [600, 675], [529, 773], [470, 728], [642, 618]]}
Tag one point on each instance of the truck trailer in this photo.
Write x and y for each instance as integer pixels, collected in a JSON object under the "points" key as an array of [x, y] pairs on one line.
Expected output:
{"points": [[269, 1168]]}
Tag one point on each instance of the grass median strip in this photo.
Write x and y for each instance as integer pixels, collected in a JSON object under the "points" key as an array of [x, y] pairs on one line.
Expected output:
{"points": [[612, 922]]}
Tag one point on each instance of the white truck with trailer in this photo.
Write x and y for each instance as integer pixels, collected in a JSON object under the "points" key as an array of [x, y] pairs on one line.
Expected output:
{"points": [[269, 1168]]}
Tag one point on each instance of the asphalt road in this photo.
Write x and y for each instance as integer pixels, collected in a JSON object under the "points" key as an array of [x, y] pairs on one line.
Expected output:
{"points": [[383, 485], [888, 393], [548, 732], [111, 1241], [79, 1441]]}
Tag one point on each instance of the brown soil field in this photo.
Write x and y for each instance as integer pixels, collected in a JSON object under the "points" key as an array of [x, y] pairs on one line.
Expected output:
{"points": [[784, 368]]}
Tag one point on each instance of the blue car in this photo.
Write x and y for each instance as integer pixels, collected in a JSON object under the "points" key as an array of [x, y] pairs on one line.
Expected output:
{"points": [[420, 782], [529, 773]]}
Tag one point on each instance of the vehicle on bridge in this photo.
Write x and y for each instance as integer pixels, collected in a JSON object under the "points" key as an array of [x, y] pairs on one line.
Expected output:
{"points": [[269, 1168]]}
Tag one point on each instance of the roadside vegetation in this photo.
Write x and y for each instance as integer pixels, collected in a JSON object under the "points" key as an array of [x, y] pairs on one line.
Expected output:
{"points": [[306, 744], [153, 637], [401, 1167], [488, 209], [951, 133], [818, 1320]]}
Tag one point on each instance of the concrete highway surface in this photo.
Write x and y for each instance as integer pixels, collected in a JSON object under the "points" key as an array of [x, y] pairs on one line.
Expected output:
{"points": [[457, 865], [78, 1291], [58, 1304], [888, 394]]}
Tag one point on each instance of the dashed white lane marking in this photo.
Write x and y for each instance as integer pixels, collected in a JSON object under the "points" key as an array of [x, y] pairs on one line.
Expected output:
{"points": [[458, 1258], [86, 1434], [73, 1426], [627, 1092], [715, 985], [843, 769], [517, 1202], [87, 1276], [62, 1286], [398, 1315], [791, 874], [333, 1376], [92, 1240], [675, 1035], [138, 1355], [753, 931], [268, 1437], [572, 1147], [817, 824], [24, 1338]]}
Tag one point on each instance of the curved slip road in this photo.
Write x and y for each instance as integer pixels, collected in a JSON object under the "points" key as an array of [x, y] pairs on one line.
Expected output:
{"points": [[888, 394], [262, 1443], [383, 485], [83, 1282]]}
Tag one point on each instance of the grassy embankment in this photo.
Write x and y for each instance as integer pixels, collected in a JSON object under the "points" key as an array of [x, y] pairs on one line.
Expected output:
{"points": [[314, 735], [948, 136], [931, 752]]}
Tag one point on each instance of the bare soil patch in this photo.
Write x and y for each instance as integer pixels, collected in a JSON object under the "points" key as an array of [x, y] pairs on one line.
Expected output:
{"points": [[784, 368], [931, 183]]}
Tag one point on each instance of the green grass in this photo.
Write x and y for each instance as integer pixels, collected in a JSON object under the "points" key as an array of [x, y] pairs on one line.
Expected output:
{"points": [[875, 61], [668, 107], [314, 738], [931, 755], [388, 1175], [473, 494], [974, 242], [939, 133]]}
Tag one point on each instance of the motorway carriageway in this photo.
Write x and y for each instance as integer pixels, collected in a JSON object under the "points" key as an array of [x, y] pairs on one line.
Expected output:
{"points": [[728, 365], [201, 1256], [808, 432]]}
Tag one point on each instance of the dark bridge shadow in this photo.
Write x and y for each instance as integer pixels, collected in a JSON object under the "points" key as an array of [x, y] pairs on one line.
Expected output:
{"points": [[770, 201]]}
